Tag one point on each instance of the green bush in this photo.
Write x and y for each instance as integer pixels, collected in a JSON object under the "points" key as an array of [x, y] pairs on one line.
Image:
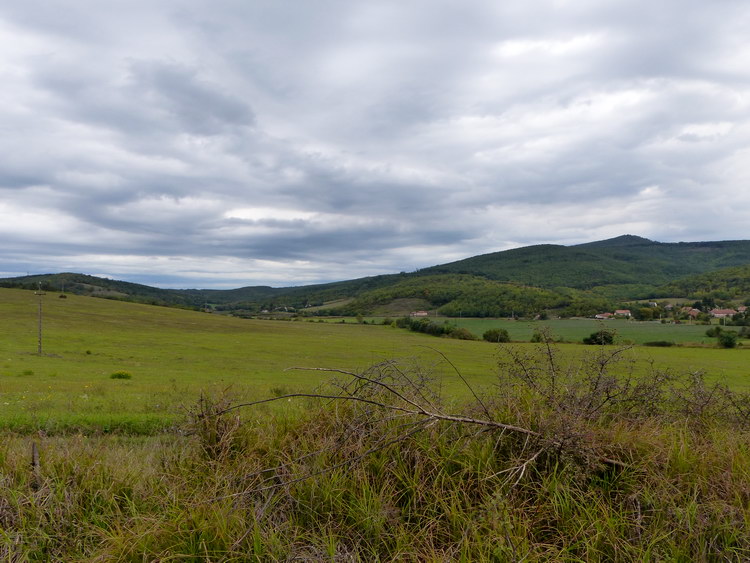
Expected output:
{"points": [[660, 343], [714, 331], [728, 339], [461, 334], [427, 326], [496, 335], [601, 337], [121, 375]]}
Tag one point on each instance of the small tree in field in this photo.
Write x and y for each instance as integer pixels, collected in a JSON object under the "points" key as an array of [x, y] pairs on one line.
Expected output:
{"points": [[728, 339], [714, 331], [602, 337], [496, 335]]}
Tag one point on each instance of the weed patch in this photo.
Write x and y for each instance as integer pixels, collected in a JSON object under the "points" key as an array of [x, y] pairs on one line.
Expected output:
{"points": [[121, 375]]}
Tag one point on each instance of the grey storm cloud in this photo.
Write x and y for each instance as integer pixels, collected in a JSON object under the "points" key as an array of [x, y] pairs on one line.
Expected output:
{"points": [[263, 142]]}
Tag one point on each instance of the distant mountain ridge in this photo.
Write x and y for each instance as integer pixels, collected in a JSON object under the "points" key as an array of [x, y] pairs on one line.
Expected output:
{"points": [[543, 276], [622, 260]]}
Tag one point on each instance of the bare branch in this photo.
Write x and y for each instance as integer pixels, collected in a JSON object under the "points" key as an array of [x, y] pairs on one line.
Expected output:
{"points": [[363, 378], [466, 383]]}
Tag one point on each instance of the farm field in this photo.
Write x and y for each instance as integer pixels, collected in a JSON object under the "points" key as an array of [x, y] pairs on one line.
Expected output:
{"points": [[574, 330], [175, 355]]}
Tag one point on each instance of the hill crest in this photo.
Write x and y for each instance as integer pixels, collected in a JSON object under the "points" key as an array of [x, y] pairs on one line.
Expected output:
{"points": [[624, 267]]}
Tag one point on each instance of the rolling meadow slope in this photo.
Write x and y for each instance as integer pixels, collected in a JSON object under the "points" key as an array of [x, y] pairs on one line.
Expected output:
{"points": [[174, 355]]}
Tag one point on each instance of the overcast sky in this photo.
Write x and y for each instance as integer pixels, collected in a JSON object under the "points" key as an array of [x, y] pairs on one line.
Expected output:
{"points": [[186, 143]]}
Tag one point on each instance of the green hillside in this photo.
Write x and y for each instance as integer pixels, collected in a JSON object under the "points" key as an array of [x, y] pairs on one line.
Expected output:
{"points": [[573, 279], [622, 260], [254, 296], [82, 284], [728, 283], [457, 295]]}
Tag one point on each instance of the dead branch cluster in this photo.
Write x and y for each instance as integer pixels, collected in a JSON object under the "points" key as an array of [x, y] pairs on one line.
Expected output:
{"points": [[544, 408]]}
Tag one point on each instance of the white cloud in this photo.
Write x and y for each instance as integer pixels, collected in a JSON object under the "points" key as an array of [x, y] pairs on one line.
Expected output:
{"points": [[554, 47], [705, 131]]}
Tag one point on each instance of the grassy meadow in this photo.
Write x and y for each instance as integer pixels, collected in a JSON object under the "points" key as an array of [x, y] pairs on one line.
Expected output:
{"points": [[574, 330], [560, 456], [175, 355]]}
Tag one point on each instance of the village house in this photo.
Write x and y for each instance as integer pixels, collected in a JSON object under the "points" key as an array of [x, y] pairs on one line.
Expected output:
{"points": [[419, 314], [690, 312], [722, 313], [604, 316], [622, 313]]}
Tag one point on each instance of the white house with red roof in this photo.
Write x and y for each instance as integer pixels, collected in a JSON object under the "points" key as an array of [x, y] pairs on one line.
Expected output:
{"points": [[722, 313]]}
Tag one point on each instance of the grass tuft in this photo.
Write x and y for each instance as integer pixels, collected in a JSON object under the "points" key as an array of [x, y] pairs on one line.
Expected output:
{"points": [[121, 375]]}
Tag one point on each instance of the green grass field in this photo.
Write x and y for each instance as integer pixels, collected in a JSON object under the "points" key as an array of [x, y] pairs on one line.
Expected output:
{"points": [[574, 330], [174, 355], [343, 481]]}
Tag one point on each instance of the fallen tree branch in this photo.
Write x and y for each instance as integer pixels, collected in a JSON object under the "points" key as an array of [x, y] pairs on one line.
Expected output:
{"points": [[405, 407], [416, 411]]}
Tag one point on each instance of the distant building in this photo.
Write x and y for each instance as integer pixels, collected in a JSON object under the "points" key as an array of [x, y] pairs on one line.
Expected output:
{"points": [[722, 313], [604, 316], [690, 312], [419, 314], [622, 313]]}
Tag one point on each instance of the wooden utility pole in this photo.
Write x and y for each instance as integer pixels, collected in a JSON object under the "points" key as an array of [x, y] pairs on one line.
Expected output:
{"points": [[40, 293]]}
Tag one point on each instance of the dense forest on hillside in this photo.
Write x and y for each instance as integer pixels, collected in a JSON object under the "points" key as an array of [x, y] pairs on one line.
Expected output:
{"points": [[456, 295], [571, 280], [94, 286], [623, 260], [728, 283], [473, 295]]}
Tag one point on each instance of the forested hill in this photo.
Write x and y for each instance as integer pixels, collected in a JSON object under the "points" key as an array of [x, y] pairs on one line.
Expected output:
{"points": [[623, 260], [83, 284], [94, 286], [622, 268], [727, 283]]}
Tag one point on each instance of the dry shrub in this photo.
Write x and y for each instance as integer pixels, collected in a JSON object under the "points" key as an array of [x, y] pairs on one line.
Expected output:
{"points": [[216, 431]]}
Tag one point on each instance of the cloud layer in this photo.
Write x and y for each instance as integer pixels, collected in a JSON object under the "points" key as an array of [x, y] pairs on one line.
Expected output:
{"points": [[238, 143]]}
